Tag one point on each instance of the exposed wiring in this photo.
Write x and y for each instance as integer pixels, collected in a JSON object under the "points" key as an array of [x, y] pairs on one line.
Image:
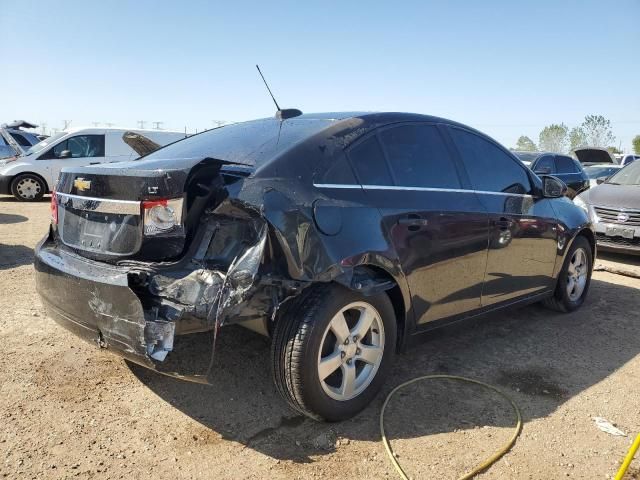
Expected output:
{"points": [[484, 465]]}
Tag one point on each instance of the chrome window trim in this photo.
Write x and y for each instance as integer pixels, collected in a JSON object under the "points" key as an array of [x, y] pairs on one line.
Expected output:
{"points": [[100, 205], [418, 189]]}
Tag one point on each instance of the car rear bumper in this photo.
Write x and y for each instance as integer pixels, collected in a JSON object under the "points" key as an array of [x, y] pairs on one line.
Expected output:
{"points": [[94, 301]]}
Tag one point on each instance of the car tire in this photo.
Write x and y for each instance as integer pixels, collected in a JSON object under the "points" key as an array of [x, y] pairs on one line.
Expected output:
{"points": [[306, 346], [28, 187], [574, 278]]}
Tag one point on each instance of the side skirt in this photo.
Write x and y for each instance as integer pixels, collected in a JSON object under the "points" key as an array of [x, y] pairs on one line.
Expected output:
{"points": [[476, 315]]}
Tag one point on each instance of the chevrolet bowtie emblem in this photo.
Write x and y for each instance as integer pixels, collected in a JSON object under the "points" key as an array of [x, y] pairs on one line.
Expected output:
{"points": [[81, 184]]}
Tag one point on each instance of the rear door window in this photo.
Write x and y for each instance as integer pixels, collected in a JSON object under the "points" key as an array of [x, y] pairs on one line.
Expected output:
{"points": [[489, 167], [566, 165], [419, 157], [369, 163]]}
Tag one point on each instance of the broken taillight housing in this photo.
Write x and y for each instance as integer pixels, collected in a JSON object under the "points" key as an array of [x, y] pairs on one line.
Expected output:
{"points": [[54, 208], [162, 217]]}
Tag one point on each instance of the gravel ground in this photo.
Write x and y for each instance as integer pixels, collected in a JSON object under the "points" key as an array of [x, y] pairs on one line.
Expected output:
{"points": [[70, 410]]}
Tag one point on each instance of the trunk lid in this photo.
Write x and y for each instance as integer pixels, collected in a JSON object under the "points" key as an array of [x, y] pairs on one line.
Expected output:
{"points": [[140, 144], [587, 156], [101, 208]]}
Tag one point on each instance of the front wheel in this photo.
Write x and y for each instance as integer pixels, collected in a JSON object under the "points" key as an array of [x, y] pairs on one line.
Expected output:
{"points": [[28, 187], [332, 349], [574, 279]]}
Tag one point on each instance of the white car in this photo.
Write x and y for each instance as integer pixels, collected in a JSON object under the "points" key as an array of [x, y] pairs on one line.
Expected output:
{"points": [[598, 173], [30, 175], [627, 158]]}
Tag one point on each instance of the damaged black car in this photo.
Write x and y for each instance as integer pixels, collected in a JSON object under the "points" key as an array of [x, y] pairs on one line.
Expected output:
{"points": [[342, 237]]}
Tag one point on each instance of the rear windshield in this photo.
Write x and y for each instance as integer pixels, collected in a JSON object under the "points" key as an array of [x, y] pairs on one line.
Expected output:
{"points": [[249, 143]]}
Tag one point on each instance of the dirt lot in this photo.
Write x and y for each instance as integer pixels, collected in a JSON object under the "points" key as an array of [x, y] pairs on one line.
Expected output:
{"points": [[70, 410]]}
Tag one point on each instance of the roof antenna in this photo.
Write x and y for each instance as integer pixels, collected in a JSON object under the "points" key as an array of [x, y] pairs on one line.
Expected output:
{"points": [[280, 113]]}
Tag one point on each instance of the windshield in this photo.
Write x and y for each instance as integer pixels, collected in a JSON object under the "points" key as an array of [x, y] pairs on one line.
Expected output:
{"points": [[597, 172], [629, 175], [46, 142]]}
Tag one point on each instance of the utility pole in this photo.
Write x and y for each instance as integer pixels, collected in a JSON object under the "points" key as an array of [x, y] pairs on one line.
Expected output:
{"points": [[141, 124], [43, 126], [67, 123], [157, 125]]}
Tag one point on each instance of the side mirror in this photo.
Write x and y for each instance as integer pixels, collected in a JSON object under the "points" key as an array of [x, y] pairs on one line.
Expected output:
{"points": [[601, 180], [65, 154], [553, 187], [542, 171]]}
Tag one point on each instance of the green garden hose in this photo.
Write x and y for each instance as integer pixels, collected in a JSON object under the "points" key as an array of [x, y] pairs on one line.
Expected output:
{"points": [[484, 465]]}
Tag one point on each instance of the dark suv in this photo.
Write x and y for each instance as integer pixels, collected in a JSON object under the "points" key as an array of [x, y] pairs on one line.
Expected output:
{"points": [[340, 236], [564, 167]]}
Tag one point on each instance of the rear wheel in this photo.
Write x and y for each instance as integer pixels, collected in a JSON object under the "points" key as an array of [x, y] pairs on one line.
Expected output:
{"points": [[332, 349], [28, 187], [574, 279]]}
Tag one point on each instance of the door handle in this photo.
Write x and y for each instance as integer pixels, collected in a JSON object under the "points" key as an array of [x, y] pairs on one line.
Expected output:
{"points": [[413, 221], [503, 223]]}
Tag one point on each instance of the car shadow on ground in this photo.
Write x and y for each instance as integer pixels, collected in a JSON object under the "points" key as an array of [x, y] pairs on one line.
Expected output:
{"points": [[9, 218], [12, 256], [620, 258], [538, 357], [12, 199]]}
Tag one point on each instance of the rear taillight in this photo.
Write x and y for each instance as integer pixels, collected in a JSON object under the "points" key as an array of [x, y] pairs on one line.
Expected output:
{"points": [[162, 216], [54, 208]]}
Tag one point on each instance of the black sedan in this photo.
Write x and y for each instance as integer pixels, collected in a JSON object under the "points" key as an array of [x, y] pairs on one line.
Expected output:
{"points": [[343, 237], [564, 167]]}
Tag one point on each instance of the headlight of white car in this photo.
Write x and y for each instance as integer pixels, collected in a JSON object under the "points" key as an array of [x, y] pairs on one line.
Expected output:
{"points": [[581, 203]]}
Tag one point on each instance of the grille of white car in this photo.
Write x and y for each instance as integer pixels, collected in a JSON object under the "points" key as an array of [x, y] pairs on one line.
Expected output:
{"points": [[616, 215]]}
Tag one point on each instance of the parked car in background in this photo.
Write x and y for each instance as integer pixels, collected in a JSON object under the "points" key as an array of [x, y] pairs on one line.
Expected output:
{"points": [[14, 140], [32, 174], [9, 148], [562, 166], [627, 158], [594, 156], [526, 157], [340, 236], [614, 209], [24, 138], [599, 173]]}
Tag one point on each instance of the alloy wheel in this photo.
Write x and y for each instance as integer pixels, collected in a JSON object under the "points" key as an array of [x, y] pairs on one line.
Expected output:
{"points": [[577, 272], [351, 351]]}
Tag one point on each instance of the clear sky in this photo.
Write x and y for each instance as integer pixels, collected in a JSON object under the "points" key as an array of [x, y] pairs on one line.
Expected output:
{"points": [[505, 67]]}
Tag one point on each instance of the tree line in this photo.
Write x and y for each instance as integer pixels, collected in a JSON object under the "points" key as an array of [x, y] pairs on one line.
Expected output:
{"points": [[594, 131]]}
